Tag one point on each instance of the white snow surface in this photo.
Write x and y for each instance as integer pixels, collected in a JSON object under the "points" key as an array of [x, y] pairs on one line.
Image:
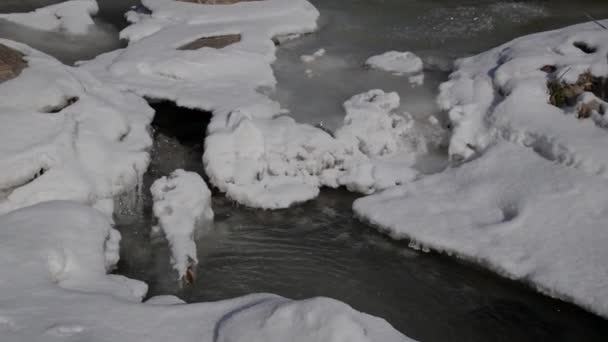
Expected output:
{"points": [[70, 16], [273, 163], [89, 151], [526, 195], [396, 62], [182, 202], [54, 259]]}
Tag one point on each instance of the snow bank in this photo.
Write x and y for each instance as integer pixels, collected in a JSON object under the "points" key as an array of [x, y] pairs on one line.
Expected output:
{"points": [[526, 195], [504, 92], [64, 135], [396, 62], [181, 202], [513, 211], [71, 16], [54, 259]]}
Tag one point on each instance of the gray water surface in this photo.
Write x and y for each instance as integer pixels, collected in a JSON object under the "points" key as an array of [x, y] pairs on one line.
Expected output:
{"points": [[319, 248]]}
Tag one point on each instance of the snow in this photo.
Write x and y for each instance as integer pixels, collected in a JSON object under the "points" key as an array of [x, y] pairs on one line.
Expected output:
{"points": [[514, 212], [182, 202], [525, 195], [274, 163], [65, 135], [504, 92], [225, 81], [54, 259], [396, 62], [383, 144], [71, 16]]}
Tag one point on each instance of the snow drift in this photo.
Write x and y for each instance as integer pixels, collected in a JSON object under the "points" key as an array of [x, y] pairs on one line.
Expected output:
{"points": [[64, 135]]}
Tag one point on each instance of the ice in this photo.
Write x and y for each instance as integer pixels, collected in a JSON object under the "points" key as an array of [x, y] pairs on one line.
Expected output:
{"points": [[396, 62], [71, 16], [182, 202], [66, 136], [313, 57]]}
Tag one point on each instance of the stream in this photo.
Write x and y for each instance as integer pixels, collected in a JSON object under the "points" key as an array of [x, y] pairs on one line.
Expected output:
{"points": [[318, 248]]}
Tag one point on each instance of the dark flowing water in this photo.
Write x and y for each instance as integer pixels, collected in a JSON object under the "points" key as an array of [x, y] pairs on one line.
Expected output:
{"points": [[318, 248]]}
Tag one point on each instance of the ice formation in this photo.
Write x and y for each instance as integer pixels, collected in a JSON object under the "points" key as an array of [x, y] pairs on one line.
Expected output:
{"points": [[182, 201], [313, 57], [526, 194], [64, 135], [396, 62], [72, 16]]}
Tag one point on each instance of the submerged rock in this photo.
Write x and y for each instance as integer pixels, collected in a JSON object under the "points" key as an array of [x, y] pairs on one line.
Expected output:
{"points": [[216, 42], [11, 63]]}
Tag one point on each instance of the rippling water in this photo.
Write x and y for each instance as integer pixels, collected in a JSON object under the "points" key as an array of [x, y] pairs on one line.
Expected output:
{"points": [[319, 248]]}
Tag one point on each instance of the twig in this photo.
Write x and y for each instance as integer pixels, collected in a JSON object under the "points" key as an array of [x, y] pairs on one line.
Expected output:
{"points": [[559, 78], [595, 21]]}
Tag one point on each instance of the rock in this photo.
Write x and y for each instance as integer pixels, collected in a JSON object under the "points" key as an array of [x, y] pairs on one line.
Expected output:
{"points": [[216, 42], [11, 63]]}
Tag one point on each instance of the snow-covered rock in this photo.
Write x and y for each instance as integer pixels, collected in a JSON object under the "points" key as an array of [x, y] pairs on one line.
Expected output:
{"points": [[72, 16], [380, 145], [396, 62], [503, 92], [273, 163], [182, 201], [65, 135], [54, 286]]}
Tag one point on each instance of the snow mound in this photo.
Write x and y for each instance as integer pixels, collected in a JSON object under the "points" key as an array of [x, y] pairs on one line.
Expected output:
{"points": [[504, 92], [274, 163], [396, 62], [513, 211], [64, 135], [317, 319], [71, 16], [381, 146], [181, 202], [54, 259], [271, 163]]}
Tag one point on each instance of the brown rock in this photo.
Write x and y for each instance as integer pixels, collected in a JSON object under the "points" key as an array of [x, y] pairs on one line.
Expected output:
{"points": [[11, 63], [586, 109], [216, 42]]}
